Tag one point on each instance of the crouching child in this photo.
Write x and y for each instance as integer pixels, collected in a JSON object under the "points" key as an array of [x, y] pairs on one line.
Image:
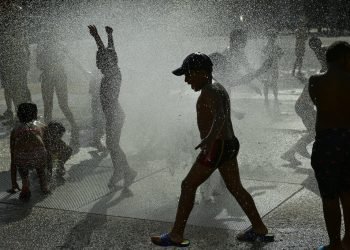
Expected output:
{"points": [[58, 151], [28, 150]]}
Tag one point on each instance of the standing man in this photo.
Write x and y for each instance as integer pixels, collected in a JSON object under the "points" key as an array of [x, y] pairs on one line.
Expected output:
{"points": [[330, 157], [107, 62], [50, 58], [219, 150], [14, 57], [300, 44]]}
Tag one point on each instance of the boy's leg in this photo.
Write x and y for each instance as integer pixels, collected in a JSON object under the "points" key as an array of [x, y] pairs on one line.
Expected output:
{"points": [[197, 175], [8, 99], [345, 201], [266, 95], [230, 173], [332, 216], [62, 98], [40, 170], [114, 124], [47, 89]]}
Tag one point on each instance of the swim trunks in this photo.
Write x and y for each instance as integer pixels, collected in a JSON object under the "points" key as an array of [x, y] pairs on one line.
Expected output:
{"points": [[331, 162], [222, 151]]}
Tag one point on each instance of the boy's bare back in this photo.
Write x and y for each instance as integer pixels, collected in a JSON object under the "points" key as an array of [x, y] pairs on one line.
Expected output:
{"points": [[330, 92], [213, 102]]}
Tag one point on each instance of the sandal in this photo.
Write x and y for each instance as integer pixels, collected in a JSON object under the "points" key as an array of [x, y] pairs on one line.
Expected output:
{"points": [[165, 241], [251, 236]]}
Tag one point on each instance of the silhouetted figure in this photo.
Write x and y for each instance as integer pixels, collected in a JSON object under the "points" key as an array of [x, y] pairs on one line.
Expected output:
{"points": [[235, 53], [315, 44], [58, 151], [273, 54], [28, 150], [306, 111], [97, 120], [14, 57], [50, 60], [301, 35], [331, 151], [107, 62], [219, 150], [269, 71]]}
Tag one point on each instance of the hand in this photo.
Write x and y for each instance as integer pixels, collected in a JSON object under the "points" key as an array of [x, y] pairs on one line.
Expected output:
{"points": [[206, 144], [93, 30], [109, 30]]}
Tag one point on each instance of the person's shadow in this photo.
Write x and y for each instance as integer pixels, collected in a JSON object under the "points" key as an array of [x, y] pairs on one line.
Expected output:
{"points": [[80, 235], [15, 209]]}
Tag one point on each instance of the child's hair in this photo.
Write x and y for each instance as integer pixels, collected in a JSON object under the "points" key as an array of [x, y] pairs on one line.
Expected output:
{"points": [[337, 50], [56, 129], [315, 42], [27, 112]]}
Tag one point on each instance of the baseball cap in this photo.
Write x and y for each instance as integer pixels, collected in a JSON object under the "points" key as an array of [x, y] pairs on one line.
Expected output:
{"points": [[194, 61]]}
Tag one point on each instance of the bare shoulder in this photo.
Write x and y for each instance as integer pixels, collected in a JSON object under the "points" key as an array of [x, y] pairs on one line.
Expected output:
{"points": [[314, 79], [215, 90]]}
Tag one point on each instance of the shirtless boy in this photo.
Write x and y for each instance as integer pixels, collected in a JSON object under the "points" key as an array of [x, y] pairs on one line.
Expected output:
{"points": [[219, 149], [330, 157], [27, 150]]}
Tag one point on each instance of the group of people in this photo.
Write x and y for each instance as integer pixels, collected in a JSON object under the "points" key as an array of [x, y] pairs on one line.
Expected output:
{"points": [[37, 145]]}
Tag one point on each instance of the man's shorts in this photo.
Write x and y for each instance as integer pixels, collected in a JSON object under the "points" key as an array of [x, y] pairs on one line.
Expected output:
{"points": [[222, 151], [331, 162]]}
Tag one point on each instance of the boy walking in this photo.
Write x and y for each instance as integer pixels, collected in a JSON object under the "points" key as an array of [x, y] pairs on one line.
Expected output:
{"points": [[330, 157], [219, 149]]}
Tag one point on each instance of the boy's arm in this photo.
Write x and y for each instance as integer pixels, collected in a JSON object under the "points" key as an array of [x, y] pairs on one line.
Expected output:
{"points": [[109, 31], [94, 34], [312, 89], [214, 98], [13, 168]]}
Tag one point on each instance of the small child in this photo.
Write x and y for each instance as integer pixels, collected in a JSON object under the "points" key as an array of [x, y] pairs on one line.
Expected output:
{"points": [[27, 150], [58, 150]]}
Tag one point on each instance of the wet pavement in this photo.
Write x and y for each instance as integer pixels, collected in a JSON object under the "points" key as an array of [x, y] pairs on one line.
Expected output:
{"points": [[82, 212]]}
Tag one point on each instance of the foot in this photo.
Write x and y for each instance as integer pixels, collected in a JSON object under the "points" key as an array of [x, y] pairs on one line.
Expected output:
{"points": [[112, 184], [252, 236], [129, 177], [303, 152], [7, 115], [9, 122], [24, 196], [46, 191], [165, 240], [98, 145], [60, 171], [290, 157]]}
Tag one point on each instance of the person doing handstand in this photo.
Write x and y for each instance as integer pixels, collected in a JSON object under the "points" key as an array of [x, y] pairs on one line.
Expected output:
{"points": [[219, 150]]}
